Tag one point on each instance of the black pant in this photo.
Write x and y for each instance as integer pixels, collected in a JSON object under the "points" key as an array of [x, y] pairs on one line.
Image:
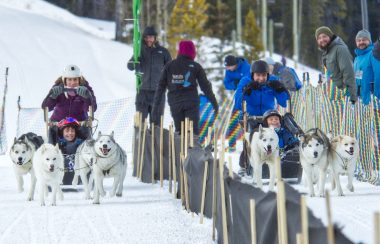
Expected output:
{"points": [[180, 111], [144, 104]]}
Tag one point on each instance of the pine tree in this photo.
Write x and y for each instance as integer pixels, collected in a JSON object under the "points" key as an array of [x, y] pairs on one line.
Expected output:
{"points": [[187, 20], [252, 37]]}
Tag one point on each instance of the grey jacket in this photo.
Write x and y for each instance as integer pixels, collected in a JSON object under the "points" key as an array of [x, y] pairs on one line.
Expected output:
{"points": [[338, 61], [152, 61]]}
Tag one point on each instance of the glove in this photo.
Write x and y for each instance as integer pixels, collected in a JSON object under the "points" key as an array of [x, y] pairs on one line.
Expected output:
{"points": [[82, 91], [56, 91], [251, 86], [277, 86]]}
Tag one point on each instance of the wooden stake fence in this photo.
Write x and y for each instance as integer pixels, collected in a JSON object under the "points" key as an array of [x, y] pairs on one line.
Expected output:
{"points": [[142, 151], [161, 152], [174, 162], [152, 141], [376, 228], [304, 221], [214, 184], [252, 207], [204, 190], [330, 226]]}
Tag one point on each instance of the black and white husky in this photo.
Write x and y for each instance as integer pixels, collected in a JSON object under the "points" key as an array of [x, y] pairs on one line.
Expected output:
{"points": [[21, 153], [111, 161], [314, 149]]}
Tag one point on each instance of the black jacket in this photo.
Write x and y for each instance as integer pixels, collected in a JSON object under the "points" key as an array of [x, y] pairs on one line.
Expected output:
{"points": [[152, 61], [181, 77]]}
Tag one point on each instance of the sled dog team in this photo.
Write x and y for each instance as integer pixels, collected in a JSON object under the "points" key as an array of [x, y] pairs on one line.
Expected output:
{"points": [[97, 159], [320, 157]]}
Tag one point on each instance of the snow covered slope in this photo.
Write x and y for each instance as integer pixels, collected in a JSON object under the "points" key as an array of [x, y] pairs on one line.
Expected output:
{"points": [[38, 40]]}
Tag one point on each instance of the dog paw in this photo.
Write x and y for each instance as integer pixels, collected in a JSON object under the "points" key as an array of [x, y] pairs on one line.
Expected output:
{"points": [[19, 190], [340, 194], [95, 202], [42, 204], [29, 199], [119, 194], [53, 204], [103, 193], [311, 195], [321, 195]]}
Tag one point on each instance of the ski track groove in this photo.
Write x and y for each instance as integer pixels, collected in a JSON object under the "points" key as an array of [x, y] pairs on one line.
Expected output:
{"points": [[9, 229], [112, 228], [64, 234], [32, 230], [91, 227]]}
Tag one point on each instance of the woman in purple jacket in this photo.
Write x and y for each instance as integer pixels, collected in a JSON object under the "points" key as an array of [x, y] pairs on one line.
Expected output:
{"points": [[70, 96]]}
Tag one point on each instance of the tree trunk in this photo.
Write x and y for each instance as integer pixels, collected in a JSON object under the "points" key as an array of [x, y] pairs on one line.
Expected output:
{"points": [[119, 19]]}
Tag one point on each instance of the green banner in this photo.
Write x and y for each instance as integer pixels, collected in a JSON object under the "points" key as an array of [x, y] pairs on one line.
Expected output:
{"points": [[136, 39]]}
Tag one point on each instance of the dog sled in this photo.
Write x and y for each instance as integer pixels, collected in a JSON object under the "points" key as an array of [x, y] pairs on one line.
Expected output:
{"points": [[291, 169], [84, 132]]}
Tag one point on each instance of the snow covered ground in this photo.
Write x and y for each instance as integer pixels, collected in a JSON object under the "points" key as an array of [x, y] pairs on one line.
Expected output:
{"points": [[37, 40], [145, 214]]}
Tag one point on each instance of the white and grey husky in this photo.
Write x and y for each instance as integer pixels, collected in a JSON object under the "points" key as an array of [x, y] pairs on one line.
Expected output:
{"points": [[342, 157], [314, 148], [21, 154], [84, 161], [111, 161], [49, 169], [264, 149]]}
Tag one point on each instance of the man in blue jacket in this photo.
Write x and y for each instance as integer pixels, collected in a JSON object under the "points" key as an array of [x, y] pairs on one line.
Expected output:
{"points": [[261, 91], [236, 69], [375, 62], [362, 65]]}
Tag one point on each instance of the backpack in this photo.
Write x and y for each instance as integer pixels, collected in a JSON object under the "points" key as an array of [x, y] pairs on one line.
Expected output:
{"points": [[288, 77]]}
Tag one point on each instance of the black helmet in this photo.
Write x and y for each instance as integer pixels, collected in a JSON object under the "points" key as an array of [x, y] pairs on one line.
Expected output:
{"points": [[149, 31], [269, 113], [260, 67]]}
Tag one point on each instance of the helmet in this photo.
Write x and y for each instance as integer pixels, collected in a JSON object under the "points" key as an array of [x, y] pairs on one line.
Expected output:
{"points": [[260, 67], [272, 112], [71, 71], [68, 122]]}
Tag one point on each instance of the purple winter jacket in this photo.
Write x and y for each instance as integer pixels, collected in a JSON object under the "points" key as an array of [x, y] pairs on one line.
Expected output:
{"points": [[70, 106]]}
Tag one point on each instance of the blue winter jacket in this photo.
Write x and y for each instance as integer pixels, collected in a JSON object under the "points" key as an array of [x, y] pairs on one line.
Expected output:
{"points": [[375, 63], [232, 78], [260, 100], [363, 72]]}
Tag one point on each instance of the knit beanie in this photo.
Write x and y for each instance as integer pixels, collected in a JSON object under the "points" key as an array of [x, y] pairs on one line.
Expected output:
{"points": [[149, 31], [325, 30], [187, 48], [230, 61], [364, 34]]}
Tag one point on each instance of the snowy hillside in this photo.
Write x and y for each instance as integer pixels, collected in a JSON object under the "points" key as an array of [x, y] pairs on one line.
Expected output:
{"points": [[37, 40]]}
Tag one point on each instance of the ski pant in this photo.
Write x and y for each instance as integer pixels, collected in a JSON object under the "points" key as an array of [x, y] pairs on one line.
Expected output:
{"points": [[144, 104], [183, 110]]}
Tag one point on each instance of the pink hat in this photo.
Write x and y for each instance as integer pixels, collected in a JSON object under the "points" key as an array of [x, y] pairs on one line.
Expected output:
{"points": [[187, 48]]}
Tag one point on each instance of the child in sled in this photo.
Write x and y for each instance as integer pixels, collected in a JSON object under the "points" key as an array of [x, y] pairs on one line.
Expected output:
{"points": [[68, 142]]}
